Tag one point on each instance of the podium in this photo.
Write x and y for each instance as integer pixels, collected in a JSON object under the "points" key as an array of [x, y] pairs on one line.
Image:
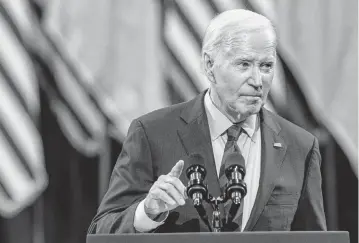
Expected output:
{"points": [[240, 237]]}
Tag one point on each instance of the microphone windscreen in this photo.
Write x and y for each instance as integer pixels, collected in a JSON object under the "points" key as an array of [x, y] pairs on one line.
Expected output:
{"points": [[235, 158], [195, 159]]}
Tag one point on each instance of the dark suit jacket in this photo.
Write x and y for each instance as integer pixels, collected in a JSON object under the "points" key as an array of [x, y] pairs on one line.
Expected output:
{"points": [[289, 195]]}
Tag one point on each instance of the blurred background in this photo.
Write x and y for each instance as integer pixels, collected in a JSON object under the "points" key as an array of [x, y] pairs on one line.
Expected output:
{"points": [[75, 73]]}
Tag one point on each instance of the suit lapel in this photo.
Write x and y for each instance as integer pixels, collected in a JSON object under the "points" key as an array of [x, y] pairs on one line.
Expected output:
{"points": [[271, 161], [195, 138]]}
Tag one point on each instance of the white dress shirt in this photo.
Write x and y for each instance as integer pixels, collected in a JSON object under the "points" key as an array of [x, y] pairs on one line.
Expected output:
{"points": [[249, 142]]}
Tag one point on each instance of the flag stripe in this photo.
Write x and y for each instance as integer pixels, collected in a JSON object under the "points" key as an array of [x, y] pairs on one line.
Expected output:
{"points": [[21, 14], [78, 98], [17, 151], [50, 86], [16, 92], [224, 5], [19, 189], [37, 8], [213, 6], [78, 79], [183, 86], [278, 94], [4, 192], [4, 14], [175, 95], [7, 78], [20, 130], [248, 5], [184, 47], [199, 14], [180, 67], [188, 25], [13, 173], [17, 62]]}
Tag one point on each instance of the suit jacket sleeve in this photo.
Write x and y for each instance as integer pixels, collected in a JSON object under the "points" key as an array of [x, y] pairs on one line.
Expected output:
{"points": [[310, 213], [131, 179]]}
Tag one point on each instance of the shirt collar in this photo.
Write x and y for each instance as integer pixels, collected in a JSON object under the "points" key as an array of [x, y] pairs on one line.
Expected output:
{"points": [[219, 123]]}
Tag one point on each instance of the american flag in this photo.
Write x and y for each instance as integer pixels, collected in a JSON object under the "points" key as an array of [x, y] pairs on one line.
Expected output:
{"points": [[22, 172], [33, 57]]}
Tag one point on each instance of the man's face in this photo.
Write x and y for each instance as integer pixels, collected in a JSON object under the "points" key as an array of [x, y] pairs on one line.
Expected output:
{"points": [[243, 74]]}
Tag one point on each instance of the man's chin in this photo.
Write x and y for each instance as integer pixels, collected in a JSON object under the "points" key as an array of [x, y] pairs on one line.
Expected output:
{"points": [[251, 110], [244, 112]]}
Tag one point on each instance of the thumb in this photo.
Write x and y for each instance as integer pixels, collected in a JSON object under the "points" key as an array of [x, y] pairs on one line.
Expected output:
{"points": [[177, 169]]}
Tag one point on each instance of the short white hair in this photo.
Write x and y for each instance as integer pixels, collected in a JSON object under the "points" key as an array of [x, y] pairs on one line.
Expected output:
{"points": [[225, 28]]}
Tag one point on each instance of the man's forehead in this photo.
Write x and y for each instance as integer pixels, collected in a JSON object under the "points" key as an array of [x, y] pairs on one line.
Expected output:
{"points": [[254, 36], [249, 55], [259, 41]]}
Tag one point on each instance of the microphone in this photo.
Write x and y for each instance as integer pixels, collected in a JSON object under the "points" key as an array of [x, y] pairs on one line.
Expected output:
{"points": [[196, 189], [235, 172]]}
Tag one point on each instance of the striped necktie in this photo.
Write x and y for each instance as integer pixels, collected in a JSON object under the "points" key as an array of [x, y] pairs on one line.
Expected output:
{"points": [[231, 146]]}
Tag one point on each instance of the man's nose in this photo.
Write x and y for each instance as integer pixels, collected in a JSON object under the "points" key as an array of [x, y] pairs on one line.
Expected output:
{"points": [[256, 78]]}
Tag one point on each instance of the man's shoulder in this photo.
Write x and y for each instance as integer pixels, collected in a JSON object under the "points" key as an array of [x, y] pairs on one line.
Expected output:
{"points": [[163, 115], [290, 130]]}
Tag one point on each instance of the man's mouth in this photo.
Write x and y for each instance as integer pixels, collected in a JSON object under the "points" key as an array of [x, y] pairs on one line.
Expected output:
{"points": [[259, 95]]}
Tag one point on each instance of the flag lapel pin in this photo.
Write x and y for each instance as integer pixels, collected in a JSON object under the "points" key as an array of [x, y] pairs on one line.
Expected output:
{"points": [[277, 145]]}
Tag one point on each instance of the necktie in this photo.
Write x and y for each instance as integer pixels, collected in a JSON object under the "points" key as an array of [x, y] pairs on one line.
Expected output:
{"points": [[231, 146]]}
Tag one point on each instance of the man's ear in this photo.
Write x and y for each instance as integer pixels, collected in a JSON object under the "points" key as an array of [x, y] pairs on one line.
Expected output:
{"points": [[208, 67]]}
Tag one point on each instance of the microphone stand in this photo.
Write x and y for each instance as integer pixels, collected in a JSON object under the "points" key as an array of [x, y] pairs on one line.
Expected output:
{"points": [[216, 215], [217, 224], [199, 191]]}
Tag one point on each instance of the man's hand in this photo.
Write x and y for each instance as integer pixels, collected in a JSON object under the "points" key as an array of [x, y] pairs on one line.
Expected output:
{"points": [[167, 193]]}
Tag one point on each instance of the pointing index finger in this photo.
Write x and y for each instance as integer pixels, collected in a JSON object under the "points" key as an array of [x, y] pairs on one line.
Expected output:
{"points": [[177, 169]]}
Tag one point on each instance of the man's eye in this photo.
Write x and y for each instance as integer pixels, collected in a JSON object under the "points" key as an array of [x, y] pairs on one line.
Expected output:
{"points": [[244, 65], [267, 66]]}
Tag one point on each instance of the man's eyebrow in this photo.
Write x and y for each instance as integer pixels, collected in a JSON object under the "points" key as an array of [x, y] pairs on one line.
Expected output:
{"points": [[243, 58], [268, 59], [251, 58]]}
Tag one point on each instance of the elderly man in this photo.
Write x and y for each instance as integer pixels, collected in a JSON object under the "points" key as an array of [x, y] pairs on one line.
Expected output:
{"points": [[147, 187]]}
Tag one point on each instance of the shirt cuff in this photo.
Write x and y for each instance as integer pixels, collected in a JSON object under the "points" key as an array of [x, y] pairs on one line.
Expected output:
{"points": [[142, 222]]}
